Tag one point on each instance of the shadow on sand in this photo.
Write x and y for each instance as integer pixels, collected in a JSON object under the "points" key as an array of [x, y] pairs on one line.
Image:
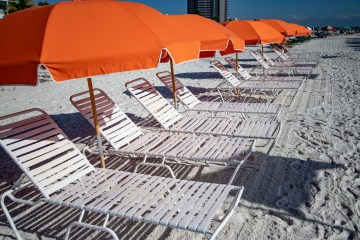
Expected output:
{"points": [[283, 185], [200, 75]]}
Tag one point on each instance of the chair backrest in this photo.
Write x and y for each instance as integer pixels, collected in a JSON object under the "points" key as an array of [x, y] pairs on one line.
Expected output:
{"points": [[282, 51], [279, 53], [287, 49], [42, 151], [243, 73], [231, 78], [154, 102], [182, 92], [259, 58], [115, 126], [268, 59]]}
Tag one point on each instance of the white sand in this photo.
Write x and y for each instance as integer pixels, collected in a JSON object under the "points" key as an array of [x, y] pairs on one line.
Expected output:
{"points": [[308, 189]]}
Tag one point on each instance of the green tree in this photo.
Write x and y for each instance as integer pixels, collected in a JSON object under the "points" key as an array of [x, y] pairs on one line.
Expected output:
{"points": [[216, 18], [44, 3], [20, 5]]}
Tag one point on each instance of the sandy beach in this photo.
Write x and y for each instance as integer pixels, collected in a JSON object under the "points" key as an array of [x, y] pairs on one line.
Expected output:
{"points": [[308, 188]]}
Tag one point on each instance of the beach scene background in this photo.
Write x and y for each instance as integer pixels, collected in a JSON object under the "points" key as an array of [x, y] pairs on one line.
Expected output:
{"points": [[308, 188]]}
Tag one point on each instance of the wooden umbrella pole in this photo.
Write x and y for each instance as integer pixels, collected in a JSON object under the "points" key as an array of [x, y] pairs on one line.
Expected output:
{"points": [[96, 123], [173, 81], [262, 55], [237, 64], [237, 72]]}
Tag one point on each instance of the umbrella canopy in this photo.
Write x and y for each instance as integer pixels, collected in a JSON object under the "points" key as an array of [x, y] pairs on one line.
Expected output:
{"points": [[283, 27], [87, 38], [300, 30], [254, 32], [212, 35]]}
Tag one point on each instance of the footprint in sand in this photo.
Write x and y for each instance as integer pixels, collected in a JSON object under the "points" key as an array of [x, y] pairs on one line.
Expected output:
{"points": [[305, 232], [312, 190], [296, 166], [346, 210]]}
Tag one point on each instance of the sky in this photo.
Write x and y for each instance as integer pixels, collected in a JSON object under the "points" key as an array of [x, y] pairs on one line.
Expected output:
{"points": [[305, 12]]}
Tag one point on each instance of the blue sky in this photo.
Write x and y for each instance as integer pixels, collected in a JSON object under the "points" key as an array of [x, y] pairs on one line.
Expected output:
{"points": [[305, 12]]}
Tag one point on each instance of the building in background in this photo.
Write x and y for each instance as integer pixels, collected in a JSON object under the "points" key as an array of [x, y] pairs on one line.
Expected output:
{"points": [[214, 9], [3, 6]]}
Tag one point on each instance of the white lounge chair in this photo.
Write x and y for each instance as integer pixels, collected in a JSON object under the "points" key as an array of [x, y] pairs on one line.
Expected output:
{"points": [[270, 67], [171, 120], [192, 103], [246, 75], [232, 83], [299, 53], [300, 66], [124, 137], [297, 58], [64, 177]]}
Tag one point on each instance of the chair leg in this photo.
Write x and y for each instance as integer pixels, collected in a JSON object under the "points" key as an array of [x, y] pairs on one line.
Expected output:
{"points": [[263, 145], [266, 155], [219, 91], [10, 195], [79, 223], [229, 214], [162, 165], [7, 214], [252, 149]]}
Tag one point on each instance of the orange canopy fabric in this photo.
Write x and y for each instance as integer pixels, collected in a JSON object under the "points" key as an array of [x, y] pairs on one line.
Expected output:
{"points": [[300, 30], [283, 27], [87, 38], [254, 32], [212, 35]]}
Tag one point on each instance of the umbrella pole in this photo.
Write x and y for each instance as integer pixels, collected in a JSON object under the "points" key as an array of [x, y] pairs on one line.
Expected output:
{"points": [[173, 81], [237, 73], [237, 64], [262, 55], [96, 123]]}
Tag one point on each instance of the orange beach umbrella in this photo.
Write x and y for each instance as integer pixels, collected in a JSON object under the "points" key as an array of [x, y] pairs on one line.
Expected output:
{"points": [[87, 38], [254, 32], [300, 30], [283, 27], [212, 35]]}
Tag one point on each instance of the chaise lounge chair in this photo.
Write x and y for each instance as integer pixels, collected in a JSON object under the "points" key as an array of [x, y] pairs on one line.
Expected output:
{"points": [[172, 121], [285, 57], [246, 75], [232, 83], [192, 103], [64, 177], [300, 54], [270, 67], [124, 137], [300, 66]]}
